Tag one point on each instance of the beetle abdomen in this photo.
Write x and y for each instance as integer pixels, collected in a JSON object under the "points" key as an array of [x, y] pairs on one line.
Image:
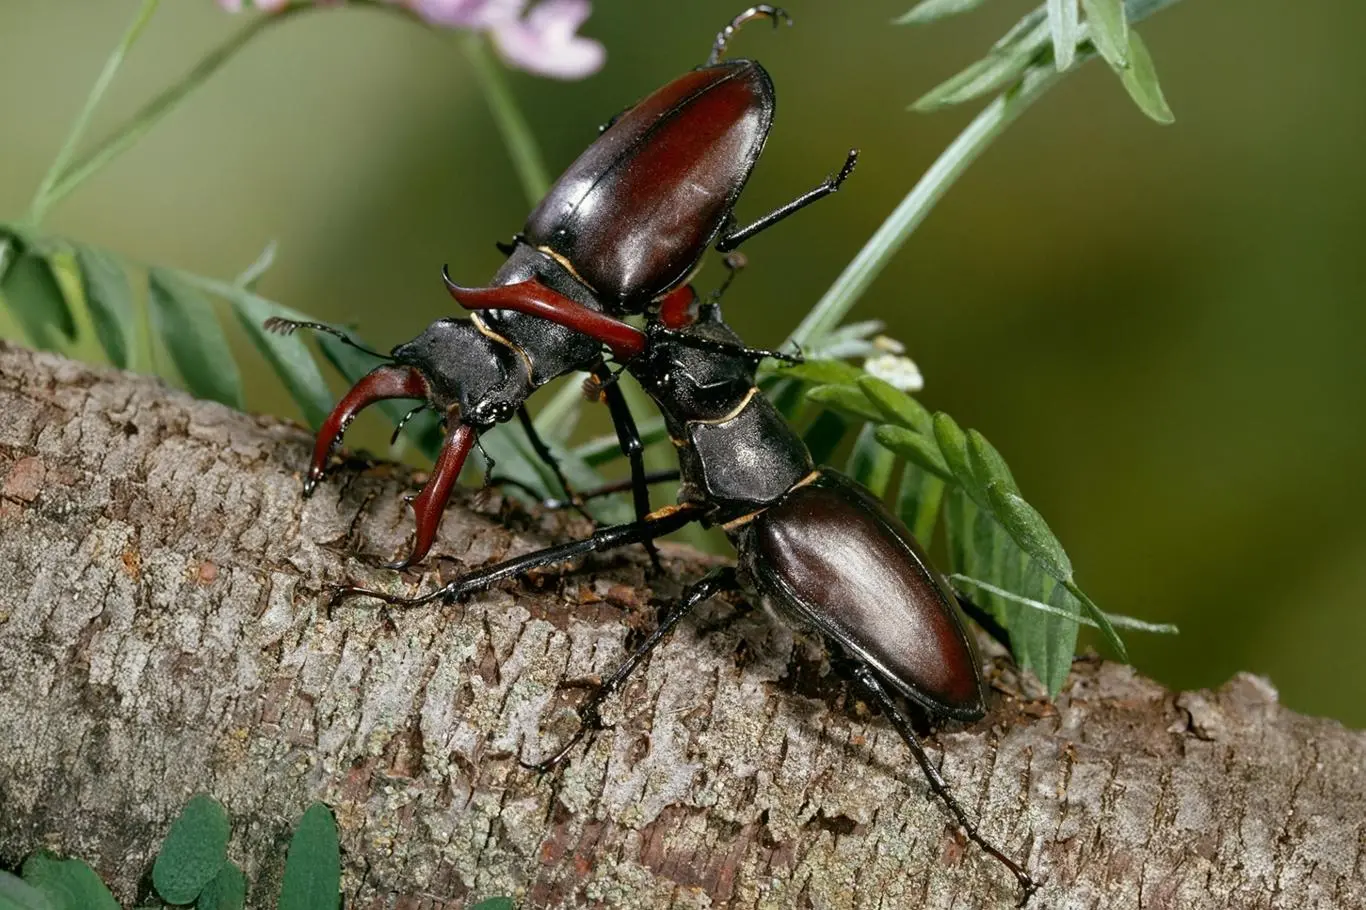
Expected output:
{"points": [[833, 554], [637, 210]]}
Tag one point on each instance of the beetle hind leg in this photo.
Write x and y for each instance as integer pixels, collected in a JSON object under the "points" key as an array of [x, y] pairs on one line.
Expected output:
{"points": [[868, 681]]}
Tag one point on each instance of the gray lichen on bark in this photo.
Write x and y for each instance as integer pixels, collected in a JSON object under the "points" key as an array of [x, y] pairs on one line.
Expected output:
{"points": [[163, 632]]}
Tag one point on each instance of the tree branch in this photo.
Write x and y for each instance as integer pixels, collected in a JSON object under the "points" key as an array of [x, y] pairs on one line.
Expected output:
{"points": [[162, 633]]}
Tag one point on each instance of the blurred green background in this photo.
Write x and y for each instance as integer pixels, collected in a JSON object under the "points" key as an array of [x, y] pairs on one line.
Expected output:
{"points": [[1161, 328]]}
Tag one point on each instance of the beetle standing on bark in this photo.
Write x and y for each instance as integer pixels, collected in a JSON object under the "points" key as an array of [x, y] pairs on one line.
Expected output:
{"points": [[811, 541], [621, 232]]}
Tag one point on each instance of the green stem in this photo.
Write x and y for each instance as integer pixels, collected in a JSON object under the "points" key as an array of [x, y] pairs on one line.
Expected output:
{"points": [[153, 111], [44, 195], [887, 241], [516, 132]]}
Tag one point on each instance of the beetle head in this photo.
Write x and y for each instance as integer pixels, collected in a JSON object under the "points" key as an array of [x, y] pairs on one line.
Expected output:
{"points": [[458, 371]]}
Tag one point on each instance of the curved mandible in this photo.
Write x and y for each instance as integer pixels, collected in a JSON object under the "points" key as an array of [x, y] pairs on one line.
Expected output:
{"points": [[761, 11]]}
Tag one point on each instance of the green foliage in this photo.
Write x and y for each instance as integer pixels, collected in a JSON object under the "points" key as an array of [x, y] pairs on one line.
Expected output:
{"points": [[184, 320], [312, 878], [17, 894], [67, 884], [1054, 36], [226, 891], [194, 851], [32, 291], [927, 11], [108, 296]]}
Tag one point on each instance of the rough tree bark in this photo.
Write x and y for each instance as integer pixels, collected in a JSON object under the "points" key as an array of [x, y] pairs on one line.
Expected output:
{"points": [[162, 632]]}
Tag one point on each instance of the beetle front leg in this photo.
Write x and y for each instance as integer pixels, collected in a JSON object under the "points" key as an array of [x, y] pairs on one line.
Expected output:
{"points": [[829, 185]]}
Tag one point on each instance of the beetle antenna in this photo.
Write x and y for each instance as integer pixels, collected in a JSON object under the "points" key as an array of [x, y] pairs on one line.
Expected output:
{"points": [[282, 326], [761, 11]]}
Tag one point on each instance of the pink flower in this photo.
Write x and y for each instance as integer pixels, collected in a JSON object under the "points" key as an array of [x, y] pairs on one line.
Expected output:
{"points": [[544, 40], [236, 6]]}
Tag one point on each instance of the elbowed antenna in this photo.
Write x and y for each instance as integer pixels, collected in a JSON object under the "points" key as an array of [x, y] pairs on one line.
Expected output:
{"points": [[383, 382]]}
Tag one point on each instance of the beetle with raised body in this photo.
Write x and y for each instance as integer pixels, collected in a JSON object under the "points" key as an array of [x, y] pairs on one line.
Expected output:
{"points": [[621, 232]]}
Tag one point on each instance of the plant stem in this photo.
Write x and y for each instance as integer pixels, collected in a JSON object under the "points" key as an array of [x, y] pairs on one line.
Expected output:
{"points": [[516, 132], [984, 128], [43, 197], [907, 216]]}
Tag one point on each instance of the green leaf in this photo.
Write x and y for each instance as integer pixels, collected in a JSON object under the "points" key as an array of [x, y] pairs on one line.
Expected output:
{"points": [[987, 465], [1119, 621], [312, 878], [1027, 528], [110, 301], [824, 435], [68, 884], [895, 405], [1063, 25], [918, 501], [1140, 79], [916, 448], [848, 399], [251, 275], [927, 11], [287, 354], [495, 903], [869, 463], [1108, 29], [953, 446], [227, 890], [605, 449], [184, 320], [17, 894], [194, 851], [35, 297], [824, 372], [1107, 628], [1003, 65]]}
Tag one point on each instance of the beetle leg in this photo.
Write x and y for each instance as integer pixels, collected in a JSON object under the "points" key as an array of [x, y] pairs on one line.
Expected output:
{"points": [[665, 521], [985, 620], [726, 348], [829, 185], [711, 584], [543, 452], [629, 438], [762, 10], [869, 682]]}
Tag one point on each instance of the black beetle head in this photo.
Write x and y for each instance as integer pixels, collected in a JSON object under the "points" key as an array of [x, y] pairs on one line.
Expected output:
{"points": [[470, 377]]}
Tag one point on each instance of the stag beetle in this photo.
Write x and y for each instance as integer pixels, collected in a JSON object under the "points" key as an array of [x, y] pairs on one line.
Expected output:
{"points": [[811, 541], [621, 232]]}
